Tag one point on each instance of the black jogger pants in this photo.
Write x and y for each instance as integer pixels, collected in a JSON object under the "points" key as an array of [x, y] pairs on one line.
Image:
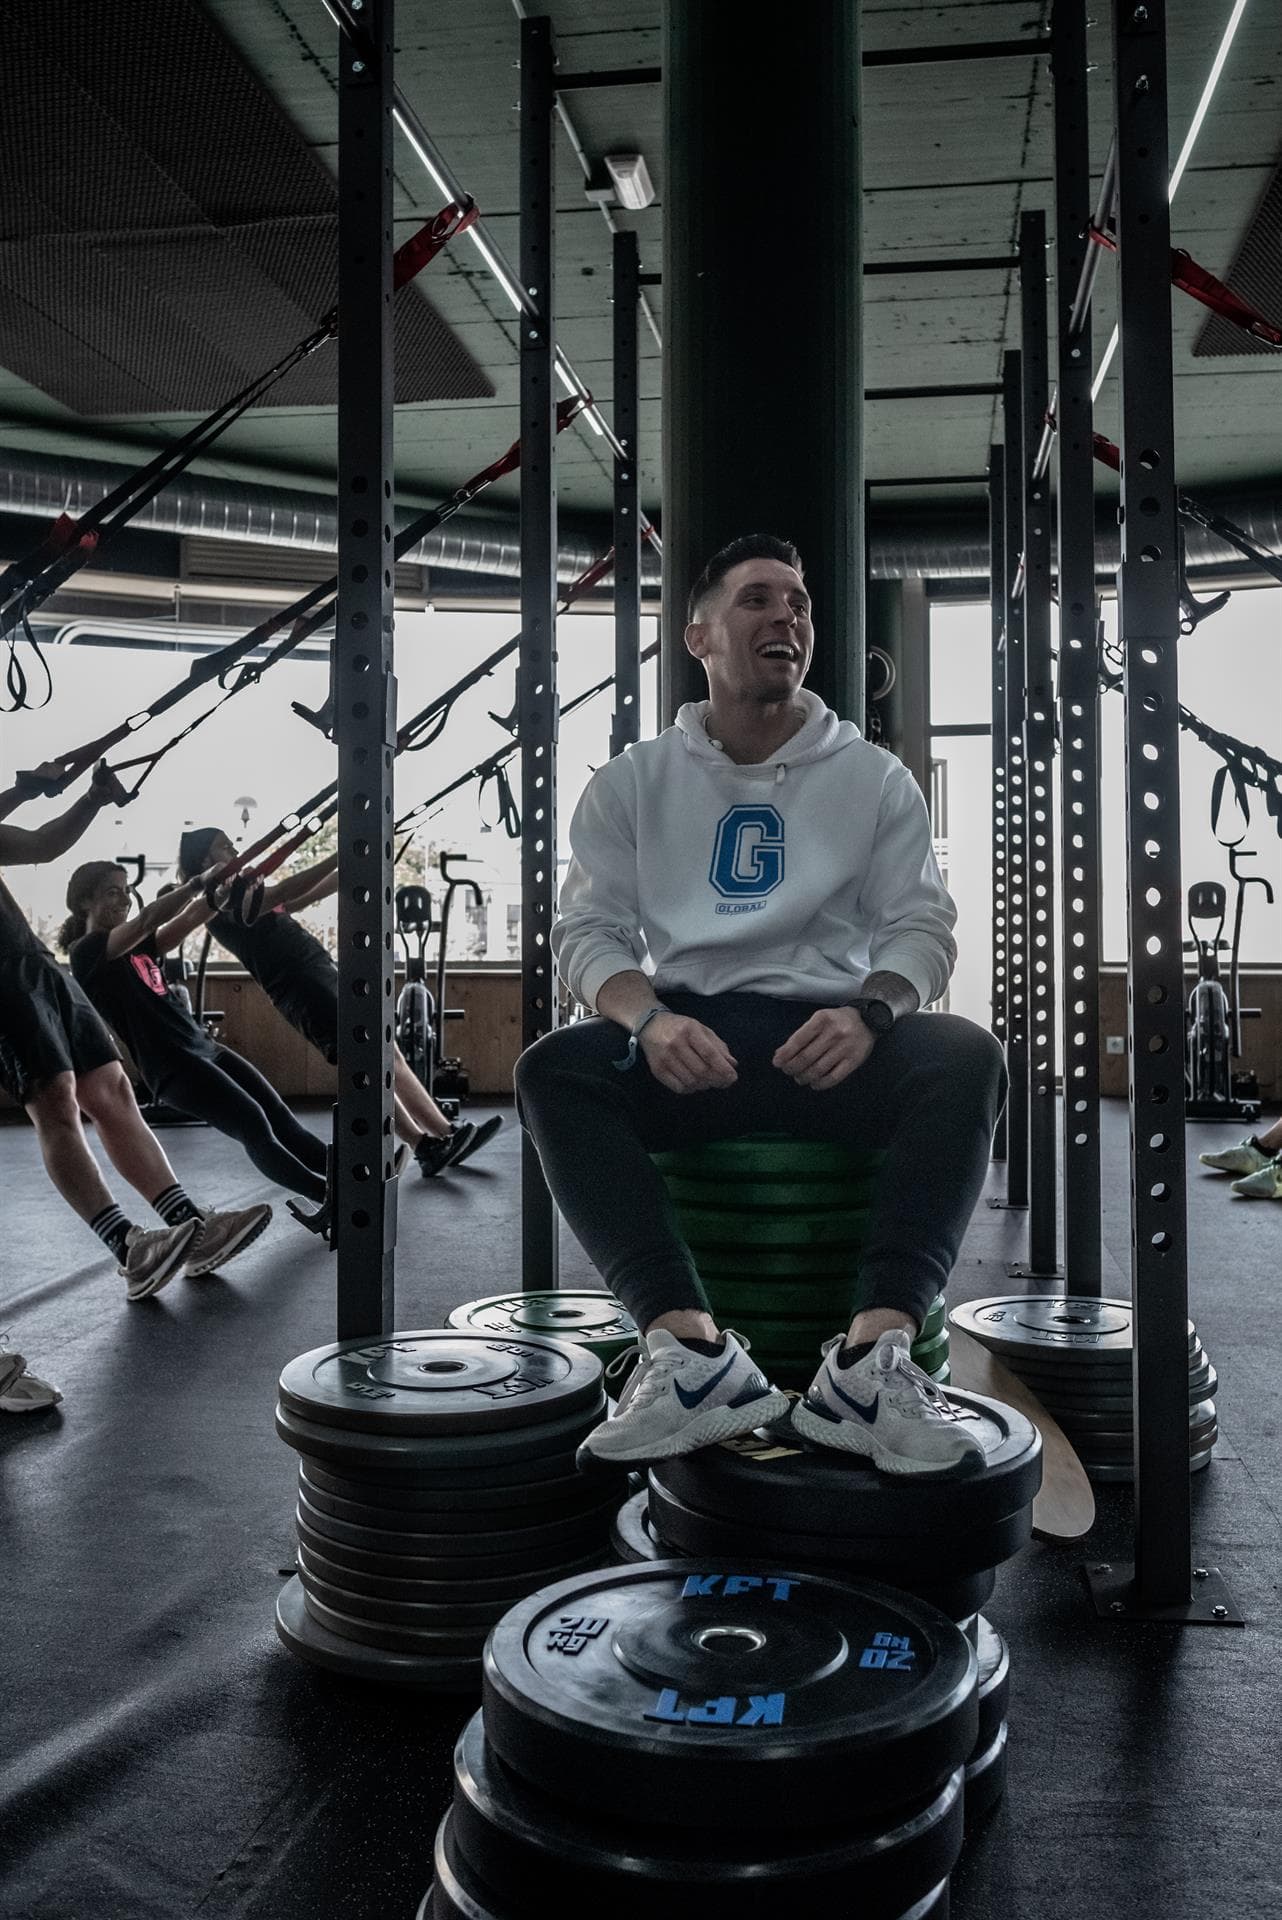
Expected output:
{"points": [[928, 1096]]}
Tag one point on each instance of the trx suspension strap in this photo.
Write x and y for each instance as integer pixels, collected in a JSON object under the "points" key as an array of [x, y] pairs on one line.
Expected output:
{"points": [[70, 544], [1202, 285], [494, 767], [1110, 456], [422, 730], [303, 617], [1245, 767]]}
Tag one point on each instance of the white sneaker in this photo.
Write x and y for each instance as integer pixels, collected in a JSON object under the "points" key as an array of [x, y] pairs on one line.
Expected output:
{"points": [[153, 1255], [676, 1401], [1264, 1185], [1245, 1157], [885, 1408], [23, 1392], [224, 1235]]}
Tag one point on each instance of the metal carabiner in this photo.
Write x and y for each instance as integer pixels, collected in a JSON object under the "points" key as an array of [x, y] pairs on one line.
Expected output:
{"points": [[1193, 611]]}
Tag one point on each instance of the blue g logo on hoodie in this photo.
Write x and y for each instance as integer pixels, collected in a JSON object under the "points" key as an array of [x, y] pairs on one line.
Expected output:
{"points": [[747, 859]]}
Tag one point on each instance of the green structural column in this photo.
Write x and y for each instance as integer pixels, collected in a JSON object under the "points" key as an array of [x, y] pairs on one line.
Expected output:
{"points": [[763, 359]]}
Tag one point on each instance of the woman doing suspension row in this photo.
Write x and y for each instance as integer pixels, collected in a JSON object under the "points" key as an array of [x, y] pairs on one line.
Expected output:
{"points": [[117, 959], [301, 981]]}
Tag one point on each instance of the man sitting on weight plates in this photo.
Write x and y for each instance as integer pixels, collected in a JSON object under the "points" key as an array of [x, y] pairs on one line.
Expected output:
{"points": [[754, 911]]}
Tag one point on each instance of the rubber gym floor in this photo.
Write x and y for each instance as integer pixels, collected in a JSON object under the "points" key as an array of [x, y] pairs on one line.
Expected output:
{"points": [[163, 1756]]}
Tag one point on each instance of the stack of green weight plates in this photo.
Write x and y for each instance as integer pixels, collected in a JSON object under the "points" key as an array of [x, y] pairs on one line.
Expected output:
{"points": [[776, 1227]]}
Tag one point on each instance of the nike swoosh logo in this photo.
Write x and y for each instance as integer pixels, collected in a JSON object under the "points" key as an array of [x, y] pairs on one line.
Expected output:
{"points": [[689, 1400], [865, 1413]]}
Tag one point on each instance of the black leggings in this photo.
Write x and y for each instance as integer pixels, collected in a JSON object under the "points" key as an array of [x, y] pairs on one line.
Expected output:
{"points": [[928, 1094], [234, 1097]]}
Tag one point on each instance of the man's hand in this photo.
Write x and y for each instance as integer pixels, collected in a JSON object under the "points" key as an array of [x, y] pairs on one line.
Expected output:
{"points": [[826, 1050], [685, 1056]]}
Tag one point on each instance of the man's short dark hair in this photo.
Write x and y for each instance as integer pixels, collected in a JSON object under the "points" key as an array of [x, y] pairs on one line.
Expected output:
{"points": [[749, 546]]}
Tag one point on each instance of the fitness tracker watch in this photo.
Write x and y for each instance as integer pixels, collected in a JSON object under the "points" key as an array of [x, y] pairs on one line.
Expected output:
{"points": [[876, 1015], [630, 1057]]}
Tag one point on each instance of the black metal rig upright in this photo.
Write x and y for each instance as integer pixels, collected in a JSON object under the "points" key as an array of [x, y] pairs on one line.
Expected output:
{"points": [[536, 681], [1161, 1584], [364, 1221], [1078, 657], [625, 727]]}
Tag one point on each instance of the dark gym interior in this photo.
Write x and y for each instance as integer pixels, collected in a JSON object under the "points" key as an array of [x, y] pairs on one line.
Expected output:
{"points": [[977, 302]]}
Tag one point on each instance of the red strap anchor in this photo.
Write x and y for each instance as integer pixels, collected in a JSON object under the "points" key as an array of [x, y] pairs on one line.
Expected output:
{"points": [[29, 582], [1203, 285]]}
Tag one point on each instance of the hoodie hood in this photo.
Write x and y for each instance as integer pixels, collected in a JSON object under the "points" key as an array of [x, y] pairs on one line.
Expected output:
{"points": [[820, 735]]}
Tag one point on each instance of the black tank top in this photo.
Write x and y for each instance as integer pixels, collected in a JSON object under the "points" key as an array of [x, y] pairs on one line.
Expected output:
{"points": [[276, 951], [130, 994]]}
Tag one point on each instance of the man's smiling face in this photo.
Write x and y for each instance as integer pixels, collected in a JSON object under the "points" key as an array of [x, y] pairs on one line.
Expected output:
{"points": [[754, 635]]}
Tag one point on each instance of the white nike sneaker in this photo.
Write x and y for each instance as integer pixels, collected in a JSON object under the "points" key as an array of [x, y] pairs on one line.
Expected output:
{"points": [[676, 1401], [1244, 1158], [23, 1392], [153, 1255], [1264, 1185], [224, 1234], [885, 1408]]}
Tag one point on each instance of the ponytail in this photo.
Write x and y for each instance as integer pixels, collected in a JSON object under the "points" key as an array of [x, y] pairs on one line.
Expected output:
{"points": [[81, 890], [71, 930]]}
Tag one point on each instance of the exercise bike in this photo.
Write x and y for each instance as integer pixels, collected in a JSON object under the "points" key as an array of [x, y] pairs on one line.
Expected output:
{"points": [[416, 1009], [1213, 1090], [451, 1075]]}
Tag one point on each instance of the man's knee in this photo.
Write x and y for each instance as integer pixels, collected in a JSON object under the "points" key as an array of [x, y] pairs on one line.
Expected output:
{"points": [[535, 1070], [986, 1057], [54, 1105], [105, 1091], [542, 1070], [968, 1052]]}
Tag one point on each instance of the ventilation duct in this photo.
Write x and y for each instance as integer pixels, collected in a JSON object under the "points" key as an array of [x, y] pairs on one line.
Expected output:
{"points": [[196, 505], [926, 543], [914, 543]]}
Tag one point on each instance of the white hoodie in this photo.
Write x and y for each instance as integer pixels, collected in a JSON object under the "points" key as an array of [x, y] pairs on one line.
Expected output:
{"points": [[796, 877]]}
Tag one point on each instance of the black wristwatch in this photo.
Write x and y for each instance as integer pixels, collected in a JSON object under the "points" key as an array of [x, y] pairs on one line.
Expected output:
{"points": [[876, 1015]]}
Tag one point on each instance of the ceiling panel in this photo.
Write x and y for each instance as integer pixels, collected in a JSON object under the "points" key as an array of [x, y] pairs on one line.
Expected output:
{"points": [[953, 154]]}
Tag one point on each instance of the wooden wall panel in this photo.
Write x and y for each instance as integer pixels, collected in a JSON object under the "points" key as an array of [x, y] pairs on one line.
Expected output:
{"points": [[489, 1036]]}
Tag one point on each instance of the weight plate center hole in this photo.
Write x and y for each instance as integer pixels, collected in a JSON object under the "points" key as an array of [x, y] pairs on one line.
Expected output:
{"points": [[729, 1640], [442, 1366], [1074, 1319]]}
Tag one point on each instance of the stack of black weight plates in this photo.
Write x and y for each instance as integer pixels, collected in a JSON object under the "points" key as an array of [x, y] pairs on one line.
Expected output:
{"points": [[940, 1538], [1076, 1353], [436, 1486], [632, 1539], [708, 1740]]}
